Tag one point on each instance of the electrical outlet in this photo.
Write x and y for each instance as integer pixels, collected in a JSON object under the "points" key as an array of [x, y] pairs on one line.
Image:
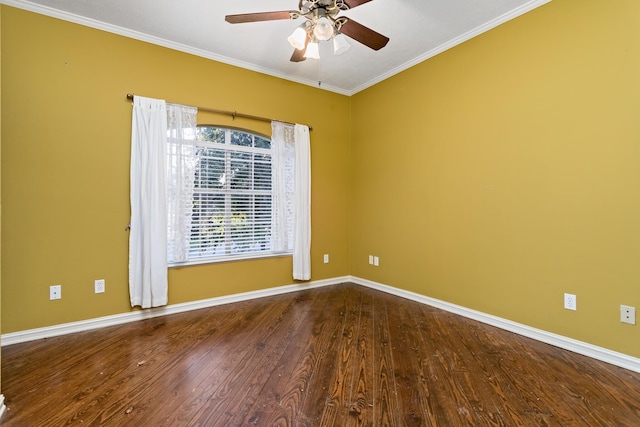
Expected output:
{"points": [[376, 261], [55, 292], [326, 258], [570, 302], [371, 259], [99, 286], [628, 314]]}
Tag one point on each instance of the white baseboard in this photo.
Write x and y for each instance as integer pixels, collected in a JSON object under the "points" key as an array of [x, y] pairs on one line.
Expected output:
{"points": [[615, 358], [609, 356], [133, 316]]}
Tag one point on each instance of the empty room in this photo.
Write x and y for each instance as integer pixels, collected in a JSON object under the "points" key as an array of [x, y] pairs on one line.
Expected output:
{"points": [[320, 213]]}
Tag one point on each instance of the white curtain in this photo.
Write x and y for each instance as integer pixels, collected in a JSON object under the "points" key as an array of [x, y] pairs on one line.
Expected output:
{"points": [[148, 235], [291, 203], [302, 221], [181, 169], [282, 172]]}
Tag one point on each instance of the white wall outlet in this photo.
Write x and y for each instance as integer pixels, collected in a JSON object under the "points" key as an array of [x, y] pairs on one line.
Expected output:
{"points": [[570, 302], [55, 292], [628, 314], [99, 286], [326, 258], [376, 261], [371, 259]]}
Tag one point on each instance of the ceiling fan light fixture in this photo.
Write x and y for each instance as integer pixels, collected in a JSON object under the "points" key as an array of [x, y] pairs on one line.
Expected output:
{"points": [[298, 38], [312, 50], [340, 44], [321, 23], [323, 29]]}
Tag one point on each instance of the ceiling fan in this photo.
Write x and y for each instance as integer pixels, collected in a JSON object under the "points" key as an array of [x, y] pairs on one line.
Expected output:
{"points": [[321, 23]]}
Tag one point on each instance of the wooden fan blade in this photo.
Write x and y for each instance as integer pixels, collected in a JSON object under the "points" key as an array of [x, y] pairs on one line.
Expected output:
{"points": [[298, 54], [364, 35], [354, 3], [261, 16]]}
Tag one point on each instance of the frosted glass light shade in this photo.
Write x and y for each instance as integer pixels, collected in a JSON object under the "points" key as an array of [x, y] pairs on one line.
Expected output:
{"points": [[297, 38], [312, 51], [340, 44], [323, 29]]}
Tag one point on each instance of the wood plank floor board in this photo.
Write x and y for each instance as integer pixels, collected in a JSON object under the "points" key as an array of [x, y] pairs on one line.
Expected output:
{"points": [[447, 368], [410, 352], [336, 407], [143, 359], [433, 392], [324, 354], [336, 356], [323, 347], [405, 353], [195, 367], [64, 370], [479, 362], [325, 376], [524, 378], [361, 403], [500, 367], [215, 353], [246, 377], [282, 392]]}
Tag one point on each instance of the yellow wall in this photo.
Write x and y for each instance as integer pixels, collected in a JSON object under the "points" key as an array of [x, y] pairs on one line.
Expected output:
{"points": [[506, 171], [65, 166]]}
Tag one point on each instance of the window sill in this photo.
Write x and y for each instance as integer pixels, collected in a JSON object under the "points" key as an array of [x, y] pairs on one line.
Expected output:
{"points": [[231, 258]]}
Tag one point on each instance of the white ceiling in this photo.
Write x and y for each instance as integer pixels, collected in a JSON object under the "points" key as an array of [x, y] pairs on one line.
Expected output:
{"points": [[418, 29]]}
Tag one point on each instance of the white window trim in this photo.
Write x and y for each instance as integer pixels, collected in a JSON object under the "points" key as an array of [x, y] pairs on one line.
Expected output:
{"points": [[231, 258]]}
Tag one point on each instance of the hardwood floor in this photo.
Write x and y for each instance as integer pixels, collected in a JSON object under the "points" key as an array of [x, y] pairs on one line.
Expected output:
{"points": [[336, 356]]}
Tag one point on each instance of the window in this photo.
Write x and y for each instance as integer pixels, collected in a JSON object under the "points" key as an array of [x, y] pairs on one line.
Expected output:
{"points": [[232, 195]]}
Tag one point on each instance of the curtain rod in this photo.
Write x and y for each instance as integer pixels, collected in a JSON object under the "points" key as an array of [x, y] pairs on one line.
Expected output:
{"points": [[233, 114]]}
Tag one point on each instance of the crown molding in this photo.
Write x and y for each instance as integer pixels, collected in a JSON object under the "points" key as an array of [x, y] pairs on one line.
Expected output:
{"points": [[121, 31], [92, 23], [533, 4]]}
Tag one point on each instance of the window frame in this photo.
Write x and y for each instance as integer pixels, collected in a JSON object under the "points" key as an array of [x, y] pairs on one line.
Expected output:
{"points": [[229, 148]]}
